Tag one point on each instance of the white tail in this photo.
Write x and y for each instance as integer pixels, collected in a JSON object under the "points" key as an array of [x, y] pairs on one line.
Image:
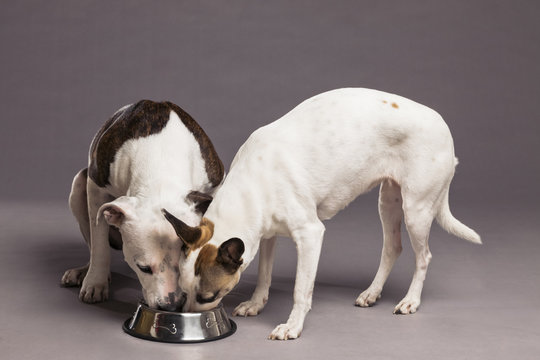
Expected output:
{"points": [[449, 223]]}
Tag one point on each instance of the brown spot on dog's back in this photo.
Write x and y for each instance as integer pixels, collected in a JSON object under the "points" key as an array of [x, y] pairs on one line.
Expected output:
{"points": [[395, 106], [141, 120], [212, 163]]}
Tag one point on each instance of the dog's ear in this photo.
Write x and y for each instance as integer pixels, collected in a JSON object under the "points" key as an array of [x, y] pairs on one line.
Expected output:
{"points": [[201, 200], [116, 212], [230, 254], [193, 236]]}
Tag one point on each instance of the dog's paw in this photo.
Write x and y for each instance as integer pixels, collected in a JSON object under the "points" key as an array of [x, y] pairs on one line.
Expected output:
{"points": [[285, 332], [74, 277], [93, 292], [407, 306], [248, 308], [367, 298]]}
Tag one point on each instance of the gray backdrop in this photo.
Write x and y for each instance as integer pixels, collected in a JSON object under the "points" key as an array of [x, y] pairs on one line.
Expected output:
{"points": [[236, 65]]}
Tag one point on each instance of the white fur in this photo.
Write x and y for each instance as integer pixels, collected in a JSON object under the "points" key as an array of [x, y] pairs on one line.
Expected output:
{"points": [[148, 174], [307, 166]]}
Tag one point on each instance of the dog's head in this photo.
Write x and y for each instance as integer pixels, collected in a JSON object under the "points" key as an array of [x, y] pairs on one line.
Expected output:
{"points": [[151, 247], [207, 272]]}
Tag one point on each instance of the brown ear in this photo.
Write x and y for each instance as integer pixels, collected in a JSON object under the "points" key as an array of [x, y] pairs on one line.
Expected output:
{"points": [[193, 237], [201, 200], [230, 254]]}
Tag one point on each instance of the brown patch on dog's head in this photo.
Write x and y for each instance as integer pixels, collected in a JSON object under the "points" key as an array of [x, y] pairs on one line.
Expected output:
{"points": [[217, 269], [395, 106], [207, 231], [207, 257], [193, 237]]}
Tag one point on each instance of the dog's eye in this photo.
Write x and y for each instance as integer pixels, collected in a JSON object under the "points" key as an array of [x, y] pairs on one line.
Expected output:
{"points": [[206, 300], [145, 269]]}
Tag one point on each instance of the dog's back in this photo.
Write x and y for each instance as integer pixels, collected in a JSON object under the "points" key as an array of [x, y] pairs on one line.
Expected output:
{"points": [[147, 142], [339, 144]]}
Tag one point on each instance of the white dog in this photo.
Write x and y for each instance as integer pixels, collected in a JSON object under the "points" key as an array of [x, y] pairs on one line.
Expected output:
{"points": [[304, 168], [147, 156]]}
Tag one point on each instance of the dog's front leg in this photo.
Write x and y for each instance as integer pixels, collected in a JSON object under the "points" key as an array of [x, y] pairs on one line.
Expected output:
{"points": [[95, 286], [308, 241], [260, 296]]}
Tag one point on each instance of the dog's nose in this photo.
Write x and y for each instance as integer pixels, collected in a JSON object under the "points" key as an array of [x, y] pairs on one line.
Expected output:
{"points": [[172, 302], [168, 303]]}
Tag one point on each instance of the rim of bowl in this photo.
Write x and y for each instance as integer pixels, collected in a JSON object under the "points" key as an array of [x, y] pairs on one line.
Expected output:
{"points": [[158, 311]]}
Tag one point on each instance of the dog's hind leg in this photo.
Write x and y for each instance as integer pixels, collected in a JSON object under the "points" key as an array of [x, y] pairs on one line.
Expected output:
{"points": [[391, 214], [78, 202], [260, 296], [419, 214]]}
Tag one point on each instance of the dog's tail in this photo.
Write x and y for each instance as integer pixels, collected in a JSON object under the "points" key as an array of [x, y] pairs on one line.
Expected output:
{"points": [[449, 223]]}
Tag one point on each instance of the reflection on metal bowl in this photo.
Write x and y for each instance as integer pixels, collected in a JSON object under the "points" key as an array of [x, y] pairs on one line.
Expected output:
{"points": [[175, 327]]}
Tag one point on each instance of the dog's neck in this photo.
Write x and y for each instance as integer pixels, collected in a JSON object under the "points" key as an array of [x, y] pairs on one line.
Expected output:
{"points": [[154, 192], [157, 187], [236, 213], [152, 199]]}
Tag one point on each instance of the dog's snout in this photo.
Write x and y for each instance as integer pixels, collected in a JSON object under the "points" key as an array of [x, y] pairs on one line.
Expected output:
{"points": [[172, 302]]}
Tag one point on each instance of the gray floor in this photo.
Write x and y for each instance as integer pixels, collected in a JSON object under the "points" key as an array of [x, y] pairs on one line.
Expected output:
{"points": [[478, 302]]}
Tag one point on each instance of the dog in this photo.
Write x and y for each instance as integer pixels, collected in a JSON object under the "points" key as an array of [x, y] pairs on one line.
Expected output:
{"points": [[304, 168], [146, 156]]}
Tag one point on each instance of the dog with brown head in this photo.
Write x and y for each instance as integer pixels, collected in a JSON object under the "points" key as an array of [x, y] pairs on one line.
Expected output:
{"points": [[208, 271]]}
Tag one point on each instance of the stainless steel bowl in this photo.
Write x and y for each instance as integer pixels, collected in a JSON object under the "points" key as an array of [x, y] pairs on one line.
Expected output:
{"points": [[175, 327]]}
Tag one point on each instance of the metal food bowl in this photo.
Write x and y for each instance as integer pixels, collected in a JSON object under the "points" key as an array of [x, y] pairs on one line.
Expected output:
{"points": [[176, 327]]}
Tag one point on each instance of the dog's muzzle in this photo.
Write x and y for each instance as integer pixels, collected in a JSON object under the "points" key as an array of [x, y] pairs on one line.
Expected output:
{"points": [[172, 302]]}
